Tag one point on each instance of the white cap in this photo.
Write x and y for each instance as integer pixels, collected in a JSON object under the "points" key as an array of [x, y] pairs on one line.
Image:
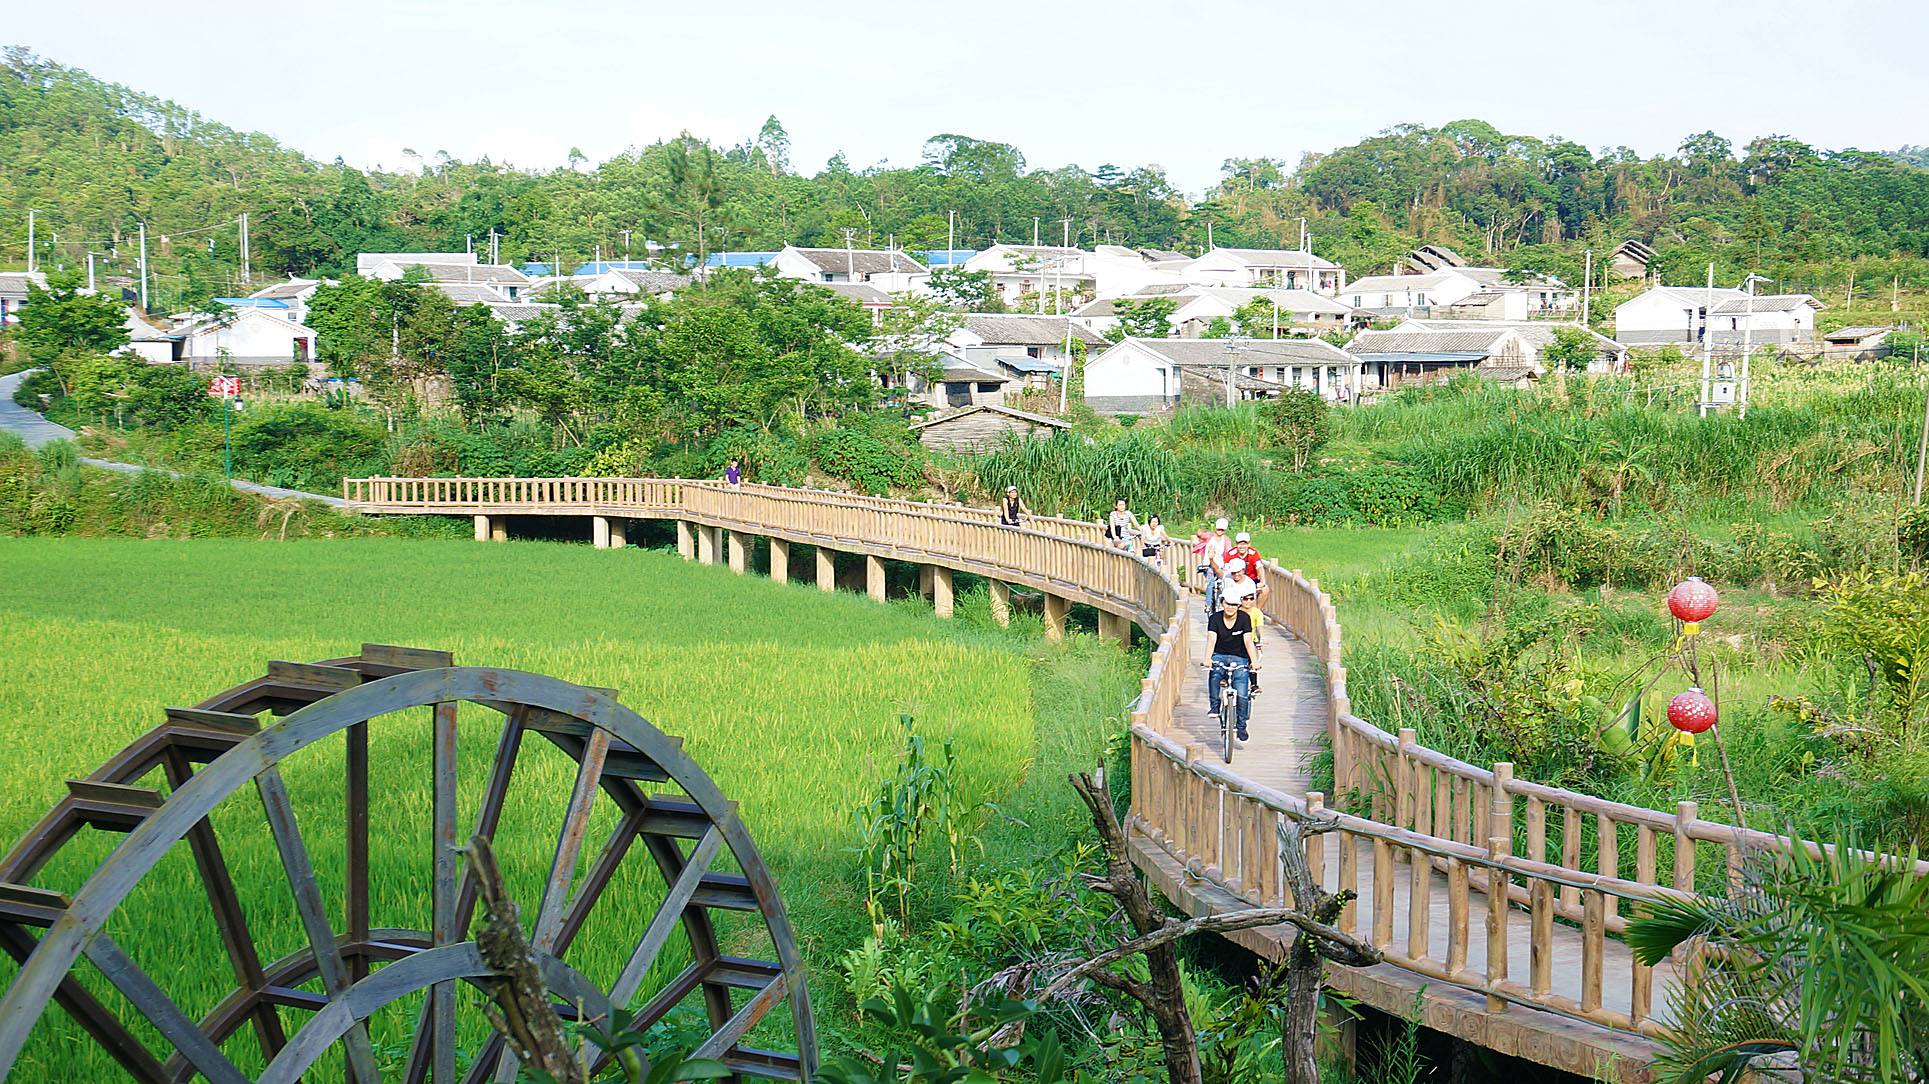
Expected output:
{"points": [[1222, 524], [1011, 489], [1243, 537]]}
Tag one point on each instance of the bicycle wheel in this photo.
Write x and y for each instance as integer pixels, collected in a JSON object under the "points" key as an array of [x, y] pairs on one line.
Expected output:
{"points": [[1228, 712]]}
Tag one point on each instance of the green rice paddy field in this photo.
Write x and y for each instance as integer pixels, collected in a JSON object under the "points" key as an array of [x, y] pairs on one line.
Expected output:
{"points": [[790, 699]]}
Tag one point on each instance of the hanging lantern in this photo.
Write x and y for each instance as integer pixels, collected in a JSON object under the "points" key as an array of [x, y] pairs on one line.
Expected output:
{"points": [[1691, 712], [1691, 602]]}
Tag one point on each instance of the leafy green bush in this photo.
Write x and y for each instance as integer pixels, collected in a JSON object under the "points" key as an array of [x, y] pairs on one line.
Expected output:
{"points": [[875, 453], [1376, 495]]}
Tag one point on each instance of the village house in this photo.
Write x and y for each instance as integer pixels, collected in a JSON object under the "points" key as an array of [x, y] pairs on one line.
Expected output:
{"points": [[1196, 307], [889, 270], [610, 280], [1024, 269], [293, 295], [1414, 354], [1630, 260], [1862, 343], [1469, 292], [1147, 376], [1781, 319], [961, 384], [1661, 315], [982, 428], [13, 293], [254, 337], [1267, 267], [1536, 335], [454, 273], [1029, 348], [149, 343]]}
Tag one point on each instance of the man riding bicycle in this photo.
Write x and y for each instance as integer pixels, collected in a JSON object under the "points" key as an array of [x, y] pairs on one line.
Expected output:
{"points": [[1243, 555], [1233, 652]]}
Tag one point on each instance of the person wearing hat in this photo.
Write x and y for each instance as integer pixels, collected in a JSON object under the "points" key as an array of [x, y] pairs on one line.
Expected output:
{"points": [[1232, 651], [1012, 507], [1242, 554]]}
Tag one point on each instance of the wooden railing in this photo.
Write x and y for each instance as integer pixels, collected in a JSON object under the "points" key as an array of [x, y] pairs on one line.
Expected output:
{"points": [[1509, 849]]}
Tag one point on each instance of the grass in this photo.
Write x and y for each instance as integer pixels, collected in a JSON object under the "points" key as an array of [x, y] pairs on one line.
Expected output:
{"points": [[789, 699]]}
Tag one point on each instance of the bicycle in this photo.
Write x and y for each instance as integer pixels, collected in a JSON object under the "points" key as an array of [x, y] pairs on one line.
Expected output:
{"points": [[1228, 701]]}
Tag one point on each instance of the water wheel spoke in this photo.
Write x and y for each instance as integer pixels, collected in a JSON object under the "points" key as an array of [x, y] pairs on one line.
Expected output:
{"points": [[665, 920], [601, 872], [314, 918], [225, 907], [443, 900], [86, 1009], [495, 794], [562, 869], [168, 1018], [355, 909], [743, 1020]]}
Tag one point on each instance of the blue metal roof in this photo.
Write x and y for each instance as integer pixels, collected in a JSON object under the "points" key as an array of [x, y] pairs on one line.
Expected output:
{"points": [[738, 259], [1028, 365], [535, 269], [594, 268], [251, 302], [945, 257]]}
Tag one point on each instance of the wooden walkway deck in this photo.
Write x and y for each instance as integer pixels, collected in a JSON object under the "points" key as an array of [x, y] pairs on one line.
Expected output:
{"points": [[1287, 733]]}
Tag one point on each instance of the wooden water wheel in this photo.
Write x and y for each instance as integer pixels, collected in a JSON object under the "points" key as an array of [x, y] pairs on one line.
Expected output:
{"points": [[284, 1015]]}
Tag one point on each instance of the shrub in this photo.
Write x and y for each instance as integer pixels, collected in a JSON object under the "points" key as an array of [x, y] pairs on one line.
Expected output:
{"points": [[873, 453], [1375, 495]]}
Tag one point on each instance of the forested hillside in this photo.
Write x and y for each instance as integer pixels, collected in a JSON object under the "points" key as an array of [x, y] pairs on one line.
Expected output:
{"points": [[95, 158]]}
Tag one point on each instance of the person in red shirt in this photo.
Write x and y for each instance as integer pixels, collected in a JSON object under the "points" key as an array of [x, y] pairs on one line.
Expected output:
{"points": [[1242, 552]]}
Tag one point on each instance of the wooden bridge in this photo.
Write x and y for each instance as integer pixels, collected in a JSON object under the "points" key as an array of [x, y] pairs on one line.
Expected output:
{"points": [[1495, 899]]}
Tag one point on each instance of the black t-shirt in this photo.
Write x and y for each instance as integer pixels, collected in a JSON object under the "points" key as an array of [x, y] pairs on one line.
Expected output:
{"points": [[1230, 639]]}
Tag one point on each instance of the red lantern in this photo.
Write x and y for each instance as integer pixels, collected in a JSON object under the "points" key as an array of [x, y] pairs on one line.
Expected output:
{"points": [[1691, 712], [1692, 600]]}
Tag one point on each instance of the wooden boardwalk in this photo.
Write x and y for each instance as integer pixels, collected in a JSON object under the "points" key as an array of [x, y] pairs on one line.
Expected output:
{"points": [[1287, 732]]}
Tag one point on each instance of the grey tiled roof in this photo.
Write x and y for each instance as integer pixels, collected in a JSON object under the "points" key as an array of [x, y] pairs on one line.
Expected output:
{"points": [[1537, 333], [1276, 257], [861, 292], [463, 272], [861, 261], [1221, 352], [1414, 340], [471, 293], [654, 282], [1023, 330], [283, 291], [1765, 303], [1035, 419]]}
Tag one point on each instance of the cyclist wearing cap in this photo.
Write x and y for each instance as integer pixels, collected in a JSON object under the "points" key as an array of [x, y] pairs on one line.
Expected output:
{"points": [[1012, 507], [1243, 555], [1231, 648]]}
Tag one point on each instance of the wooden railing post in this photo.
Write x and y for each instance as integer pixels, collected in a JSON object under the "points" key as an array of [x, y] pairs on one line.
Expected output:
{"points": [[1497, 912]]}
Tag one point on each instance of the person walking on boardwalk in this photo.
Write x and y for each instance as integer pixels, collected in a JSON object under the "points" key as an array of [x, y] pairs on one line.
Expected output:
{"points": [[733, 473], [1121, 525], [1012, 507], [1233, 654]]}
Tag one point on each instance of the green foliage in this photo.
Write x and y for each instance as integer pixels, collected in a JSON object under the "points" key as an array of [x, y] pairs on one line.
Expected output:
{"points": [[1301, 422], [922, 796], [1824, 956], [1883, 619], [966, 291], [1142, 318], [63, 324], [1374, 495], [874, 453], [934, 1044], [1572, 349]]}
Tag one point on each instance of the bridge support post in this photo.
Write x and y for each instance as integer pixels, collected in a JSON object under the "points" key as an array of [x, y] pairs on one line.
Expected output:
{"points": [[826, 569], [1000, 602], [482, 528], [739, 551], [874, 577], [498, 528], [941, 595], [599, 531], [707, 541], [686, 540], [1114, 627], [926, 577], [1056, 606], [619, 532], [780, 560]]}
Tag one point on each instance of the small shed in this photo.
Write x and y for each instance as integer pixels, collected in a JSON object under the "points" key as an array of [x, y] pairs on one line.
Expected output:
{"points": [[983, 427], [1856, 343]]}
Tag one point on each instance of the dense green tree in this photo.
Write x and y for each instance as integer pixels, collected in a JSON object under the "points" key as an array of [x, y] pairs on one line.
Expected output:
{"points": [[1142, 318], [64, 323]]}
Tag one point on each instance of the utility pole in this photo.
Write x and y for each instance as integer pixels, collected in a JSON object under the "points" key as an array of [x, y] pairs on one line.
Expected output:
{"points": [[90, 271], [626, 248], [143, 267], [1034, 231], [247, 276], [492, 246], [1209, 245], [31, 213], [850, 257], [1233, 349], [1747, 341], [1922, 446], [950, 237], [1311, 283], [1587, 282], [1707, 343]]}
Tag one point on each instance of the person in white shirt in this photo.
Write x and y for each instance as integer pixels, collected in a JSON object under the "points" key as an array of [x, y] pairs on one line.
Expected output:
{"points": [[1216, 548]]}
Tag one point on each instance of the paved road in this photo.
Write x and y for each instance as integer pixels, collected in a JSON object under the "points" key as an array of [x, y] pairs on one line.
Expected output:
{"points": [[36, 431]]}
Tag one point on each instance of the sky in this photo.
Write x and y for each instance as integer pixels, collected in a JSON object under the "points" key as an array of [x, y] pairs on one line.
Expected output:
{"points": [[1128, 82]]}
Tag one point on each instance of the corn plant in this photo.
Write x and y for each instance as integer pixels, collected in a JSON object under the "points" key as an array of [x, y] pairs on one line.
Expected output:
{"points": [[922, 796]]}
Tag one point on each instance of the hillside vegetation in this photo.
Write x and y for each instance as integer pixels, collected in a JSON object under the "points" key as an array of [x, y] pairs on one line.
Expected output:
{"points": [[95, 157]]}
